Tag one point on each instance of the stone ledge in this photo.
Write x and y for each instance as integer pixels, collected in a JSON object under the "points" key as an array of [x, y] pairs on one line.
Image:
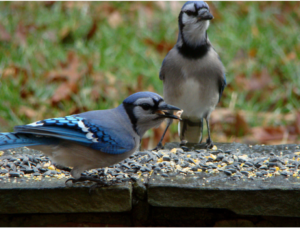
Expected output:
{"points": [[248, 199], [55, 197], [271, 196]]}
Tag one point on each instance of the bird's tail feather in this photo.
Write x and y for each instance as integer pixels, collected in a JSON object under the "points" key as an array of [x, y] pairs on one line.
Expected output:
{"points": [[14, 140], [191, 131]]}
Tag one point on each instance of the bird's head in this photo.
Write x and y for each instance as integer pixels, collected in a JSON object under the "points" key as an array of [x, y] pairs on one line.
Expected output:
{"points": [[193, 22], [147, 110]]}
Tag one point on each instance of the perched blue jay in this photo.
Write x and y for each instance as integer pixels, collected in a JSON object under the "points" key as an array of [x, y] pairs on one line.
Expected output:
{"points": [[93, 139], [193, 74]]}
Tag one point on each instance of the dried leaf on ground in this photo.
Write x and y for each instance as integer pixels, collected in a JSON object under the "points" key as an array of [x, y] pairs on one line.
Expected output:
{"points": [[265, 134], [4, 35], [162, 46], [241, 125], [70, 74], [257, 81], [28, 112], [92, 30], [115, 19], [63, 92], [297, 123], [15, 72], [70, 71]]}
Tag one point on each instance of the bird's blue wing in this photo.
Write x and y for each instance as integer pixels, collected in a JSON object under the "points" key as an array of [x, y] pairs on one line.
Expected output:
{"points": [[162, 70], [80, 130], [222, 84]]}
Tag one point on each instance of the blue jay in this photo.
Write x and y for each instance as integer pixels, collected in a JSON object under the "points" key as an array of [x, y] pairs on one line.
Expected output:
{"points": [[93, 139], [193, 74]]}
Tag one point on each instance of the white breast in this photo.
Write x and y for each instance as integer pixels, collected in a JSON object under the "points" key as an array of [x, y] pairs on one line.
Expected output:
{"points": [[194, 99]]}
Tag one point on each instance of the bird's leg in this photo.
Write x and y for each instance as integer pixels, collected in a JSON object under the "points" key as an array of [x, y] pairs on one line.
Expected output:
{"points": [[102, 173], [159, 145], [184, 127], [201, 125], [209, 142]]}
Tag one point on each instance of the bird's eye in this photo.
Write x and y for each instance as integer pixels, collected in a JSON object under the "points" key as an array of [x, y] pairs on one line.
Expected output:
{"points": [[145, 106], [189, 12]]}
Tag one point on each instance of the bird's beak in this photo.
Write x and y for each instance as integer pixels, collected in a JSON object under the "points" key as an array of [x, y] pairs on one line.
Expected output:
{"points": [[166, 107], [205, 15]]}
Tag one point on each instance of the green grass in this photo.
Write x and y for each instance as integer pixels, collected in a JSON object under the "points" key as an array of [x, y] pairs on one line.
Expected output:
{"points": [[250, 37]]}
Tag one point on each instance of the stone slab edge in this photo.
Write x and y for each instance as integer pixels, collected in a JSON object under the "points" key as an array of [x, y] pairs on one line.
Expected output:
{"points": [[61, 199]]}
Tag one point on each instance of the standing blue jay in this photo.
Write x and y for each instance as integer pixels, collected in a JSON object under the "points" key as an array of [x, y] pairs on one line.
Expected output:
{"points": [[193, 74], [93, 139]]}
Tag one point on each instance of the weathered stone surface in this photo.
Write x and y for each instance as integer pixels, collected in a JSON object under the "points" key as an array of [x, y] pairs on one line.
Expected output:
{"points": [[66, 220], [234, 223], [54, 197], [257, 196], [274, 196]]}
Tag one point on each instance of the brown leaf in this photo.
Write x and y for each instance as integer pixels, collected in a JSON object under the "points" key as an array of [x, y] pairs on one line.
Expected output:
{"points": [[291, 56], [162, 47], [21, 34], [265, 134], [70, 70], [28, 112], [63, 92], [252, 52], [49, 4], [76, 110], [15, 71], [241, 126], [4, 35], [92, 30], [297, 122], [259, 81], [115, 19], [95, 94]]}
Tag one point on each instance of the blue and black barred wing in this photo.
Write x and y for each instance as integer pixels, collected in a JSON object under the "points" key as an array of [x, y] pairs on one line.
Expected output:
{"points": [[13, 140], [82, 131], [222, 84]]}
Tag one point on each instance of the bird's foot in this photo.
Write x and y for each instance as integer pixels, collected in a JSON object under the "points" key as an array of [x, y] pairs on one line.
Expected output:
{"points": [[183, 142], [209, 143], [159, 146]]}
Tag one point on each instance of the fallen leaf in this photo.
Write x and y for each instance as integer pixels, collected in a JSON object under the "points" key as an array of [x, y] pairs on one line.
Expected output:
{"points": [[241, 126], [70, 70], [4, 35], [63, 92], [49, 4], [16, 72], [92, 30], [28, 112], [297, 122], [257, 81], [162, 46], [265, 134], [115, 19]]}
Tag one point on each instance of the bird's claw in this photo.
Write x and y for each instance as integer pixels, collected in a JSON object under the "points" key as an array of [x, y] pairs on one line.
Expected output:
{"points": [[71, 179], [209, 143], [159, 147]]}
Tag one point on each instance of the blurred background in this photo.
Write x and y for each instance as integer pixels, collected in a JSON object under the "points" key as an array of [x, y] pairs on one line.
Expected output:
{"points": [[61, 58]]}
